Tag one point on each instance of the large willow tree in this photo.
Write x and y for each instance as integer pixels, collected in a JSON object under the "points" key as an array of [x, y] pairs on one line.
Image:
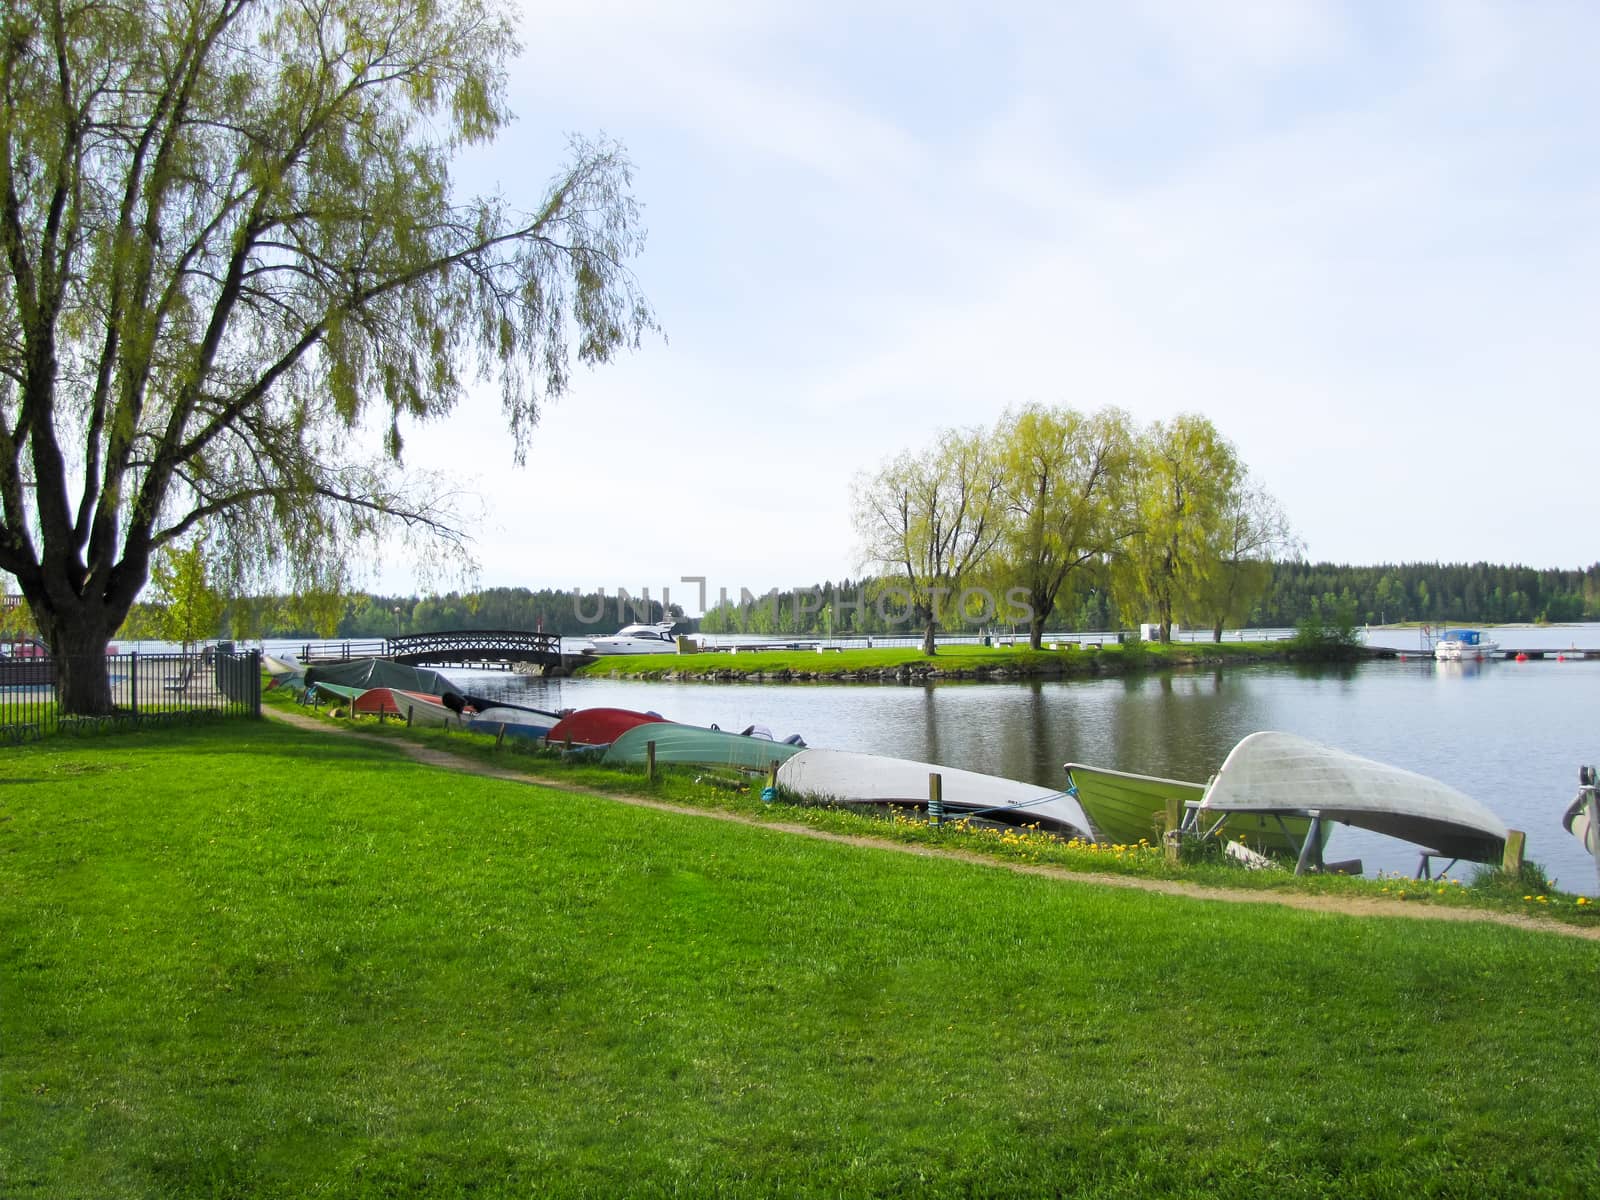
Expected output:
{"points": [[931, 518], [1189, 480], [230, 243], [1068, 489]]}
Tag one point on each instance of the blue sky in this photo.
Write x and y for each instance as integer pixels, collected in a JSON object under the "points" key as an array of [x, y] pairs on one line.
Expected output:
{"points": [[1362, 239]]}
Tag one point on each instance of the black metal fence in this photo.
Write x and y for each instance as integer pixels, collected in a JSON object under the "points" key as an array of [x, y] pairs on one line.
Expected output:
{"points": [[146, 689]]}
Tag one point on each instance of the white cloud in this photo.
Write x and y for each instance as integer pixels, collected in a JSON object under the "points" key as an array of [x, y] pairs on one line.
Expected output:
{"points": [[1339, 238]]}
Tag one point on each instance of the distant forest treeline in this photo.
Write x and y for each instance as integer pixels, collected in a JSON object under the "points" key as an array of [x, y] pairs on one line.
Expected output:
{"points": [[1433, 592], [1430, 592]]}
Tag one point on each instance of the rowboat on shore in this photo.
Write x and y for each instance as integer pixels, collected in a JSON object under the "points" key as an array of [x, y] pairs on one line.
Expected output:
{"points": [[597, 726], [336, 691], [513, 722], [282, 671], [420, 708], [1582, 818], [1282, 775], [500, 718], [1282, 794], [875, 779], [414, 708], [374, 702], [692, 745], [1125, 808]]}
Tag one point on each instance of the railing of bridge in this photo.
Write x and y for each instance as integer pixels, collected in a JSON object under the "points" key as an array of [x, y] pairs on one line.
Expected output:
{"points": [[474, 644]]}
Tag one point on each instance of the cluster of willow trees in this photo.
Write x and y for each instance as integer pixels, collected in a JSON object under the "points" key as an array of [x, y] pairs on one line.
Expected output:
{"points": [[1003, 522]]}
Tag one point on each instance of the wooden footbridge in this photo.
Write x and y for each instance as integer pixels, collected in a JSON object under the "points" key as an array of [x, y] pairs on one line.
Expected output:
{"points": [[478, 649]]}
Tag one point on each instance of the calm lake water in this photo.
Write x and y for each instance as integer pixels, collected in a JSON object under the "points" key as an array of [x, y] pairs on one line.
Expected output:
{"points": [[1510, 734]]}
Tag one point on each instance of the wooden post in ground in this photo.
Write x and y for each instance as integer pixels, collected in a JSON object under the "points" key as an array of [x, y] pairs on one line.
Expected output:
{"points": [[649, 762], [1170, 837], [499, 738], [1516, 840], [935, 799], [772, 774]]}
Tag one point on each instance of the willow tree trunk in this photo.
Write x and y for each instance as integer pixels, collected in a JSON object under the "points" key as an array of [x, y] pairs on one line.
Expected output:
{"points": [[928, 630], [1036, 628], [83, 676]]}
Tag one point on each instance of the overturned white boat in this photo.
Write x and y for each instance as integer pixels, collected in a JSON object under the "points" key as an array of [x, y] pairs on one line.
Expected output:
{"points": [[876, 779], [1280, 774], [1582, 818]]}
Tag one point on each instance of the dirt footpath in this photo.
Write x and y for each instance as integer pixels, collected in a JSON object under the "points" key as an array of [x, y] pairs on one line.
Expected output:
{"points": [[1348, 905]]}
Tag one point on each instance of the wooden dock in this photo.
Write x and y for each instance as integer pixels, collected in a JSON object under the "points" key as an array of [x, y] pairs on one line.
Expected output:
{"points": [[1532, 654]]}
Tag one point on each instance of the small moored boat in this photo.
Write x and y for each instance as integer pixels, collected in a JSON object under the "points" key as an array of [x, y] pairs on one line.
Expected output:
{"points": [[1463, 644]]}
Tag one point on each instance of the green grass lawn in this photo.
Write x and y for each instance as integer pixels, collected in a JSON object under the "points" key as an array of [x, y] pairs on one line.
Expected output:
{"points": [[243, 960], [1068, 659]]}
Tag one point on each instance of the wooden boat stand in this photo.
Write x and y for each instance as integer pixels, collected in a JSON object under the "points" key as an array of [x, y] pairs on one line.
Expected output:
{"points": [[1310, 860]]}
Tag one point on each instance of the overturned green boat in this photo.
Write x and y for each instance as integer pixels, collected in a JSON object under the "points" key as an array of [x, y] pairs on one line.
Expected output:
{"points": [[1126, 809], [692, 745]]}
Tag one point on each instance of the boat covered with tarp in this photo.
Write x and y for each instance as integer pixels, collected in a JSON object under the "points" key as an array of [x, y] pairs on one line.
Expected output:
{"points": [[879, 780], [380, 672], [1281, 774], [693, 745], [598, 726]]}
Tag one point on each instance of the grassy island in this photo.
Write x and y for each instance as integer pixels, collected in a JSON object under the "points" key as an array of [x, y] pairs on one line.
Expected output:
{"points": [[1069, 660]]}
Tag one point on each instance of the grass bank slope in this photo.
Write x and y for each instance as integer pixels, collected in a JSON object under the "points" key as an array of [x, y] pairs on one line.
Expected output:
{"points": [[256, 961]]}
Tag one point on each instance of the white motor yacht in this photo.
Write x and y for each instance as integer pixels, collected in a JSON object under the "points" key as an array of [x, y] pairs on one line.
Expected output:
{"points": [[638, 639]]}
